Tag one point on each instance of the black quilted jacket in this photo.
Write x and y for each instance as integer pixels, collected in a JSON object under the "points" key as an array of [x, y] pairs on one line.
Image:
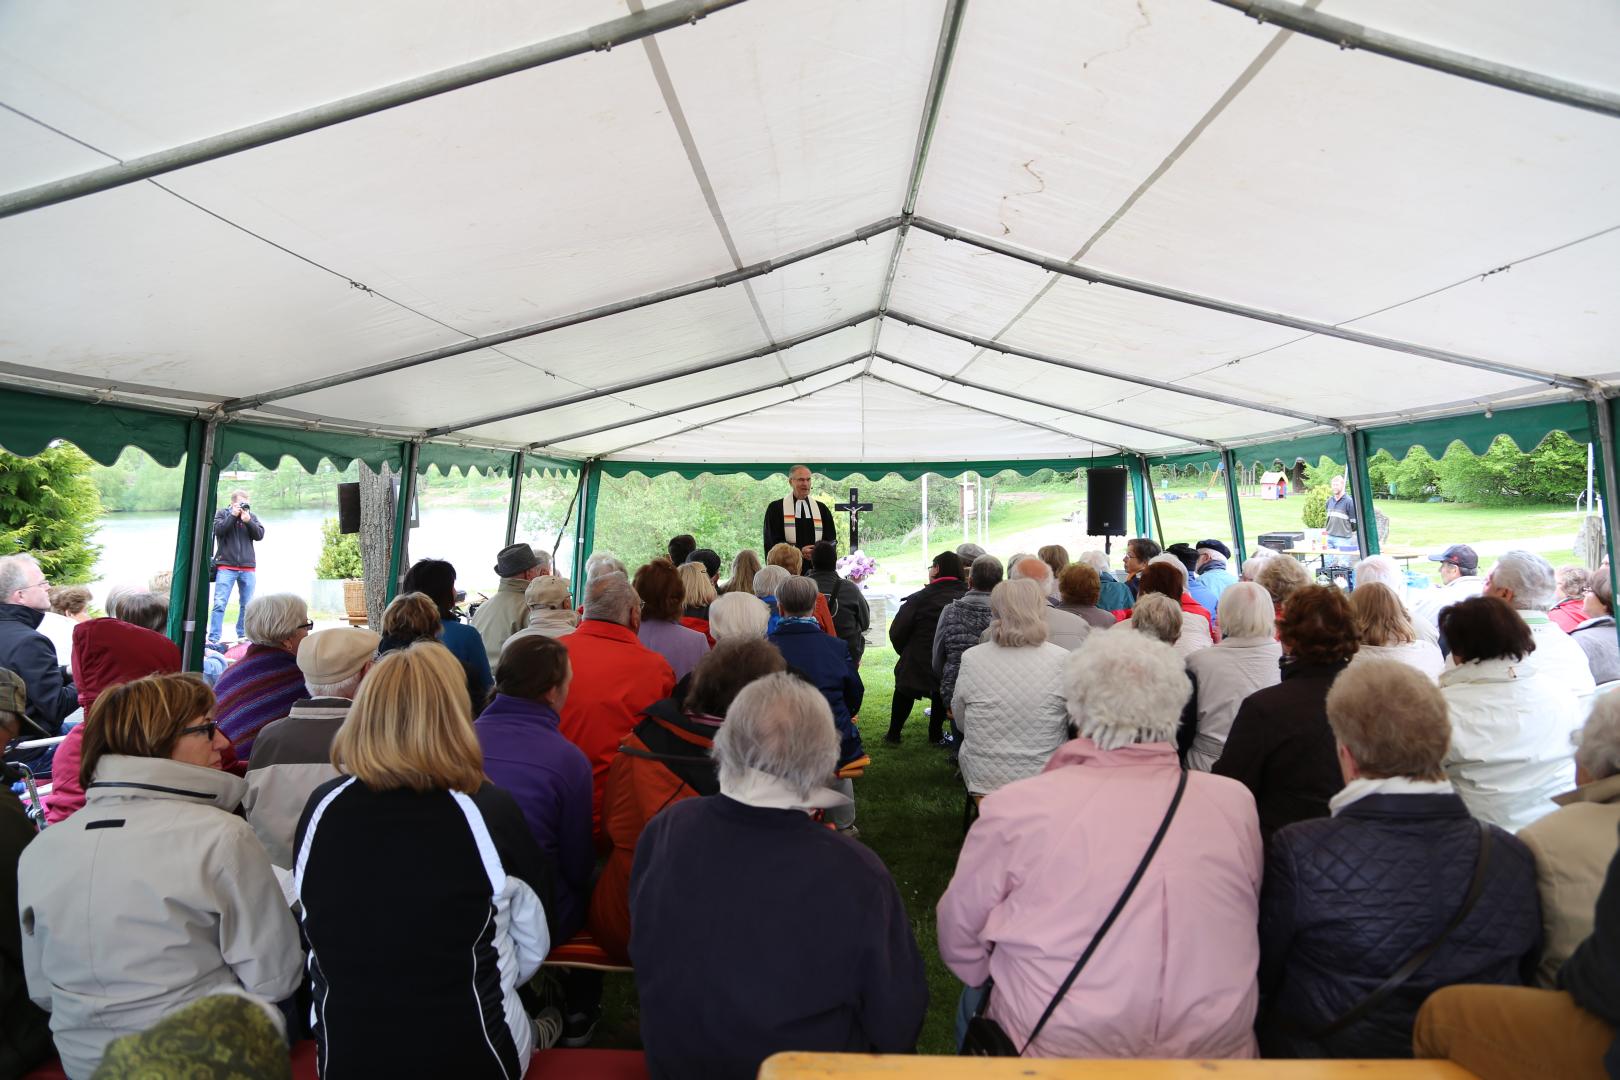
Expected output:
{"points": [[1348, 899]]}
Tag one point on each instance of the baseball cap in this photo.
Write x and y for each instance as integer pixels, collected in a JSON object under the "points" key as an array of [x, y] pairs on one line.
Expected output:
{"points": [[1459, 555]]}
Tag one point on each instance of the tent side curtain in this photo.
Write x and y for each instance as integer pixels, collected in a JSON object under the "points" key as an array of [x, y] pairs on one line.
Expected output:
{"points": [[1207, 459], [843, 470], [448, 456], [33, 421], [1311, 448], [540, 465], [268, 445], [1526, 426]]}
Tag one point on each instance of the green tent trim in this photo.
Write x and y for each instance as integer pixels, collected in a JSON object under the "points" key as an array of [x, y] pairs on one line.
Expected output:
{"points": [[102, 430], [1526, 426], [268, 445], [843, 470]]}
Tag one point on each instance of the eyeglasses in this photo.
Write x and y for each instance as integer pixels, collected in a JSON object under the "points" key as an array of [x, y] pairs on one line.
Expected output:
{"points": [[307, 626], [207, 728]]}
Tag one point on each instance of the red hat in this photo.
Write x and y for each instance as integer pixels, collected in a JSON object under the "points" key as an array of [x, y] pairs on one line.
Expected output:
{"points": [[111, 652]]}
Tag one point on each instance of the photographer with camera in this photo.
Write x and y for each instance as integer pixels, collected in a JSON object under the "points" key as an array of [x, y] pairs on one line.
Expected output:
{"points": [[235, 529]]}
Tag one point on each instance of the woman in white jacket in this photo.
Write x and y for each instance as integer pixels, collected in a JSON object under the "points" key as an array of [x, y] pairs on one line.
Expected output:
{"points": [[1009, 693], [1387, 632], [1247, 659], [156, 894], [1510, 722]]}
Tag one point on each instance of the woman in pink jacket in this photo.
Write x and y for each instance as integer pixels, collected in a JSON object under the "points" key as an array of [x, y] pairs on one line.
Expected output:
{"points": [[1175, 976]]}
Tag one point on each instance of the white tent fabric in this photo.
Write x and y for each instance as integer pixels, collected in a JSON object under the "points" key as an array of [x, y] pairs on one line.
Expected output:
{"points": [[1176, 143]]}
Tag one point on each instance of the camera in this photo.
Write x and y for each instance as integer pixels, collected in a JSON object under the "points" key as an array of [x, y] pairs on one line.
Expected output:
{"points": [[246, 506]]}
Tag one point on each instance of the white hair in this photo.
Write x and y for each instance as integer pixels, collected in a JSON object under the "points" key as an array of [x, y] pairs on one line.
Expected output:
{"points": [[542, 561], [1375, 568], [1158, 616], [1252, 565], [345, 688], [1597, 745], [1042, 577], [797, 596], [272, 619], [1098, 561], [768, 579], [1018, 614], [1167, 559], [779, 725], [1125, 688], [611, 598], [738, 615], [603, 563], [1246, 611], [14, 573], [1529, 576]]}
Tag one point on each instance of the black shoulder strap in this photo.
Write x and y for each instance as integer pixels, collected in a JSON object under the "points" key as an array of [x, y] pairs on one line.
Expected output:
{"points": [[1119, 905], [1418, 959]]}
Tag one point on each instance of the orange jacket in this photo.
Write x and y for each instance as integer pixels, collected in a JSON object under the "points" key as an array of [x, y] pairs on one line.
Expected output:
{"points": [[615, 678]]}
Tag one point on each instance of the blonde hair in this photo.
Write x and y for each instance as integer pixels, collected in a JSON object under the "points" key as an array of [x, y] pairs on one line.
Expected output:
{"points": [[1056, 556], [1157, 616], [412, 615], [1380, 618], [695, 580], [1281, 576], [787, 557], [1392, 718], [410, 725], [1018, 614], [142, 718], [743, 568]]}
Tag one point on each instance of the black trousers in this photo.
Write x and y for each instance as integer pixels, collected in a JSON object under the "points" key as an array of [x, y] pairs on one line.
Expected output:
{"points": [[904, 700]]}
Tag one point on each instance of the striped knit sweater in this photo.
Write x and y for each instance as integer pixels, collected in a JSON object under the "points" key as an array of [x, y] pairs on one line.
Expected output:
{"points": [[261, 687]]}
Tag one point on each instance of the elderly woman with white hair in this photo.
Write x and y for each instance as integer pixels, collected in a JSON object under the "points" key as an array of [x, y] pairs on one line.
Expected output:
{"points": [[766, 582], [1574, 844], [1174, 976], [1246, 660], [266, 683], [1008, 699], [754, 929], [738, 615]]}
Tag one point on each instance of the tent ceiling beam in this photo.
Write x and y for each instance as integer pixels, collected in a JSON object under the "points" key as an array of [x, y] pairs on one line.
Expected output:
{"points": [[722, 419], [653, 380], [1100, 277], [857, 358], [1351, 35], [618, 307], [1053, 405], [949, 33], [1003, 416], [598, 38], [1089, 369]]}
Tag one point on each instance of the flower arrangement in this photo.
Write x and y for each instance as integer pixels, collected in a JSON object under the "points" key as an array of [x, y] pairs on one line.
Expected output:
{"points": [[857, 566]]}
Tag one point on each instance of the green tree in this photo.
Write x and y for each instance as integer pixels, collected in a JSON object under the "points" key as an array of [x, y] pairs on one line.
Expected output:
{"points": [[1555, 471], [340, 554], [48, 508]]}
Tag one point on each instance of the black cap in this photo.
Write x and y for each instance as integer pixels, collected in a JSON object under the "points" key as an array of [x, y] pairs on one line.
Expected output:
{"points": [[1459, 555], [1215, 545]]}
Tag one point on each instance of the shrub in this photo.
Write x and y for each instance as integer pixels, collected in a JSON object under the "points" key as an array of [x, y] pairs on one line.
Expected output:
{"points": [[340, 554], [48, 508]]}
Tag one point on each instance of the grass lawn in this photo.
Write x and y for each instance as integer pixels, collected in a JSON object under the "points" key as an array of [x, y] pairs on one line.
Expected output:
{"points": [[909, 811]]}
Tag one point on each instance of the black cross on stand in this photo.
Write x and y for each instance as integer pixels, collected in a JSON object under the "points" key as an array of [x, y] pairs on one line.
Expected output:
{"points": [[855, 507]]}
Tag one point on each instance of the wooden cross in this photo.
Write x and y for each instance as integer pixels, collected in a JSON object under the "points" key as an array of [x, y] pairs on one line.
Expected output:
{"points": [[854, 507]]}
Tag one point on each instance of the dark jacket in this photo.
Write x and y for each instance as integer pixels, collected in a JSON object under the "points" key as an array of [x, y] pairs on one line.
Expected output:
{"points": [[1347, 900], [756, 930], [851, 615], [826, 662], [25, 1028], [776, 526], [29, 653], [233, 538], [1592, 973], [1282, 748], [912, 635], [551, 780], [960, 626]]}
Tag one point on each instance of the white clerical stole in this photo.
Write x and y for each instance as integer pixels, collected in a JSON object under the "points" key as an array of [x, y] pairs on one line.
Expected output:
{"points": [[795, 511]]}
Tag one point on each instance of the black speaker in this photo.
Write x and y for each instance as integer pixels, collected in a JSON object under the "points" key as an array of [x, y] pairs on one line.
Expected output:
{"points": [[1105, 502], [349, 508]]}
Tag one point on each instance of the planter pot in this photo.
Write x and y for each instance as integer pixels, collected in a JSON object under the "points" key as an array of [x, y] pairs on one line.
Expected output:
{"points": [[354, 600]]}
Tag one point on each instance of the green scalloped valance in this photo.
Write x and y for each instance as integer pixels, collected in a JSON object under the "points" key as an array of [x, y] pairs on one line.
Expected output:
{"points": [[29, 423], [1204, 459], [906, 470], [268, 445], [1309, 447], [1526, 426], [448, 456]]}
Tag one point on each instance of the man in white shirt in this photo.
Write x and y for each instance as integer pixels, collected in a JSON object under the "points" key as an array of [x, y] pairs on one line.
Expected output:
{"points": [[1459, 579], [1527, 583]]}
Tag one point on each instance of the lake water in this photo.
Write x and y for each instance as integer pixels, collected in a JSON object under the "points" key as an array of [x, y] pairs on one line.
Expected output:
{"points": [[136, 546]]}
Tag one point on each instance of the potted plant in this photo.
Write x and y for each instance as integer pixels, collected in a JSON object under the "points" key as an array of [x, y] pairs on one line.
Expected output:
{"points": [[340, 562]]}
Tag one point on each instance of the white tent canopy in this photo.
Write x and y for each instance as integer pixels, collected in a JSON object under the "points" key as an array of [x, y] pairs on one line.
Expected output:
{"points": [[1022, 229]]}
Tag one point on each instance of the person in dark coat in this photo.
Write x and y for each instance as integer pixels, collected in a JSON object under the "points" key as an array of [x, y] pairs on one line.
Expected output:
{"points": [[1348, 899], [24, 599], [1280, 745], [851, 615], [912, 635], [25, 1028], [822, 660], [756, 929], [799, 519]]}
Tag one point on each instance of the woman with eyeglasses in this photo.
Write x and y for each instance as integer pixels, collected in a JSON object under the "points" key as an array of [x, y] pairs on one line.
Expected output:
{"points": [[155, 894], [266, 683]]}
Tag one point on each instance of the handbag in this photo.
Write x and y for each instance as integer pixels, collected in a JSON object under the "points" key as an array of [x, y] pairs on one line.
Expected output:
{"points": [[986, 1038]]}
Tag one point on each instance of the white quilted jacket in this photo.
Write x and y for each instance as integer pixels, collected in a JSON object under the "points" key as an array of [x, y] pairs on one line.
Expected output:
{"points": [[1009, 705]]}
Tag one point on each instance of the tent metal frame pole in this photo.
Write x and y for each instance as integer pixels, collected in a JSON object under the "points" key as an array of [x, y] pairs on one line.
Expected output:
{"points": [[925, 513], [1004, 416], [397, 561], [1604, 423], [1350, 35], [598, 38], [779, 384], [515, 500], [1153, 500], [190, 654], [1234, 512], [1119, 376], [1054, 405], [654, 380], [934, 98], [1227, 307], [562, 322], [1358, 484]]}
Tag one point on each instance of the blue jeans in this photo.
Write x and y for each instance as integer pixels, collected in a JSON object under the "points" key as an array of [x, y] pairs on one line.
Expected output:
{"points": [[223, 581], [966, 1006]]}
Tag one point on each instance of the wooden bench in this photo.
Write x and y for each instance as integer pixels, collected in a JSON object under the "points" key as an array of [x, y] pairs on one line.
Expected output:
{"points": [[896, 1067]]}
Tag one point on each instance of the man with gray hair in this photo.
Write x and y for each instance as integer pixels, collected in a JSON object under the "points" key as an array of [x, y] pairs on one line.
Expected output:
{"points": [[24, 599], [1064, 629], [753, 928], [615, 678], [507, 612], [603, 562], [799, 519], [1526, 581]]}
